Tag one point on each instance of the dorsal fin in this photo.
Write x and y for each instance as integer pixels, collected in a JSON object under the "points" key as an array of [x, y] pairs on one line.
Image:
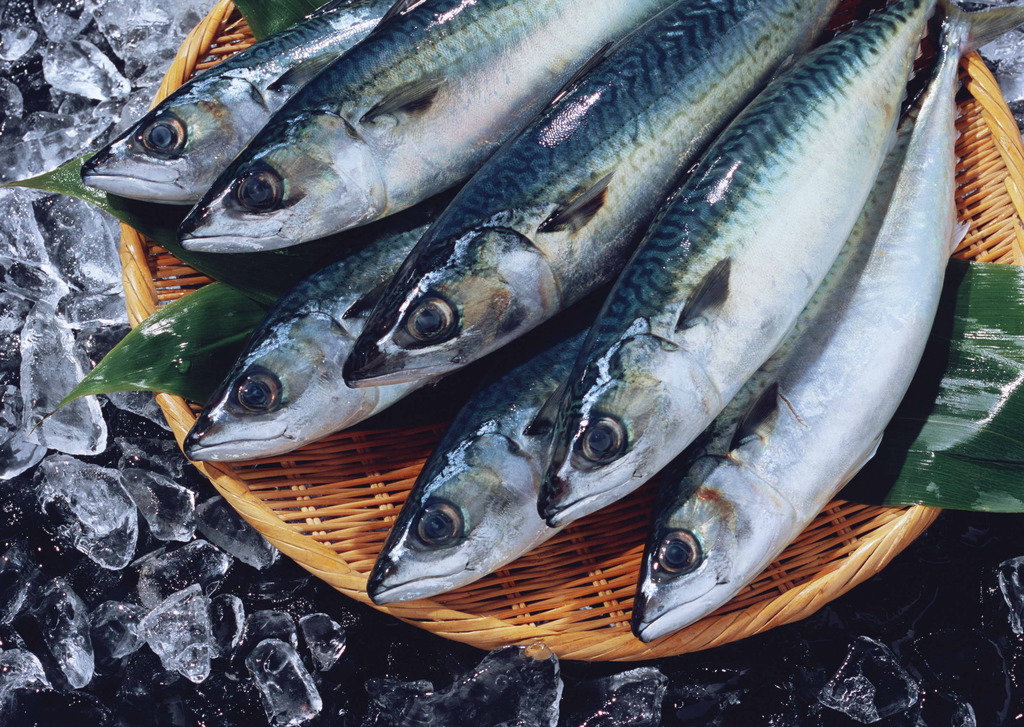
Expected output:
{"points": [[366, 302], [710, 293], [548, 413], [301, 74], [762, 416], [595, 60], [415, 96], [575, 215], [399, 8]]}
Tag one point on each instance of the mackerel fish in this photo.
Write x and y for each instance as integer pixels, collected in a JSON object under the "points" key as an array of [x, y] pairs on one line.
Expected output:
{"points": [[824, 408], [286, 388], [417, 107], [175, 152], [473, 508], [725, 271], [557, 211]]}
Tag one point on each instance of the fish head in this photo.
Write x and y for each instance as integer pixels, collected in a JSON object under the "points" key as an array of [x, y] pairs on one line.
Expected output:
{"points": [[299, 180], [619, 425], [175, 152], [284, 391], [472, 509], [447, 310], [707, 544]]}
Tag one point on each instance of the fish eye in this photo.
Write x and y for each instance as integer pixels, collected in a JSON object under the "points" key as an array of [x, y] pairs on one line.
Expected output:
{"points": [[679, 553], [259, 190], [259, 392], [603, 441], [439, 525], [432, 321], [163, 136]]}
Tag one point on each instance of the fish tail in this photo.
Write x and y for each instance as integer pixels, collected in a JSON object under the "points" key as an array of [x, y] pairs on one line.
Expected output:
{"points": [[985, 26]]}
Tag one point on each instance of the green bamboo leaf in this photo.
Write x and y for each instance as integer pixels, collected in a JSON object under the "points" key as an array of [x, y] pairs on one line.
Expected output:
{"points": [[186, 348], [957, 440], [264, 276], [266, 17]]}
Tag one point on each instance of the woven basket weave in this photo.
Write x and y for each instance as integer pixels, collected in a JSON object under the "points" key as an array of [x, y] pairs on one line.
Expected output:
{"points": [[329, 505]]}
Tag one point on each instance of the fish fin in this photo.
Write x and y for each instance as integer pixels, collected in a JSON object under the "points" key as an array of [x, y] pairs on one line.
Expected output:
{"points": [[575, 215], [986, 25], [366, 302], [761, 417], [399, 8], [548, 413], [710, 293], [415, 96], [298, 76], [594, 61], [959, 233]]}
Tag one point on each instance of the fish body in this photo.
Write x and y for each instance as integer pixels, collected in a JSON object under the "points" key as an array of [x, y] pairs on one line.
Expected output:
{"points": [[832, 391], [556, 212], [418, 106], [286, 388], [473, 509], [727, 268], [177, 150]]}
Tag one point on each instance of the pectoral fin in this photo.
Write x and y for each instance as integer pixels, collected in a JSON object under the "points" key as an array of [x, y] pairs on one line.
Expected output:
{"points": [[710, 293], [408, 99], [576, 214]]}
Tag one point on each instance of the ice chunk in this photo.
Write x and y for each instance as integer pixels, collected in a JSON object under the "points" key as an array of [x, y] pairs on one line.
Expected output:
{"points": [[49, 371], [145, 36], [515, 683], [64, 623], [17, 456], [870, 684], [30, 280], [178, 630], [115, 629], [140, 403], [630, 699], [267, 624], [288, 692], [12, 104], [224, 527], [157, 455], [165, 572], [325, 639], [17, 576], [80, 68], [16, 42], [62, 20], [168, 507], [20, 237], [90, 508], [82, 243], [82, 310], [19, 669], [227, 614], [1011, 585], [48, 140]]}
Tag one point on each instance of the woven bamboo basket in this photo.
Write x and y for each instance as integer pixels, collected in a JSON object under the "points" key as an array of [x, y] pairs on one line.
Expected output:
{"points": [[329, 505]]}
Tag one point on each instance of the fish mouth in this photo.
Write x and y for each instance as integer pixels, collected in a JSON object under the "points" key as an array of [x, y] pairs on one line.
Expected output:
{"points": [[383, 593], [236, 450], [136, 186], [560, 514], [232, 243]]}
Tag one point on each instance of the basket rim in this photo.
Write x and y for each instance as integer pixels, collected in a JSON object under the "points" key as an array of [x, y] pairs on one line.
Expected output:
{"points": [[873, 552]]}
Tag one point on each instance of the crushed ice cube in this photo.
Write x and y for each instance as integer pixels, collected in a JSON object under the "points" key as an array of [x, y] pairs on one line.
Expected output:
{"points": [[49, 371], [1011, 585], [324, 638], [64, 623], [140, 403], [514, 683], [268, 624], [16, 42], [115, 629], [79, 67], [178, 630], [17, 576], [32, 281], [90, 508], [227, 614], [20, 237], [165, 572], [19, 669], [157, 455], [17, 456], [82, 310], [630, 699], [48, 140], [62, 20], [82, 243], [167, 507], [225, 528], [870, 684], [289, 695]]}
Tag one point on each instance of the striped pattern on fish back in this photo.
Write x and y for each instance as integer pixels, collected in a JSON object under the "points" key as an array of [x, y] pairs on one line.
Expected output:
{"points": [[745, 158]]}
